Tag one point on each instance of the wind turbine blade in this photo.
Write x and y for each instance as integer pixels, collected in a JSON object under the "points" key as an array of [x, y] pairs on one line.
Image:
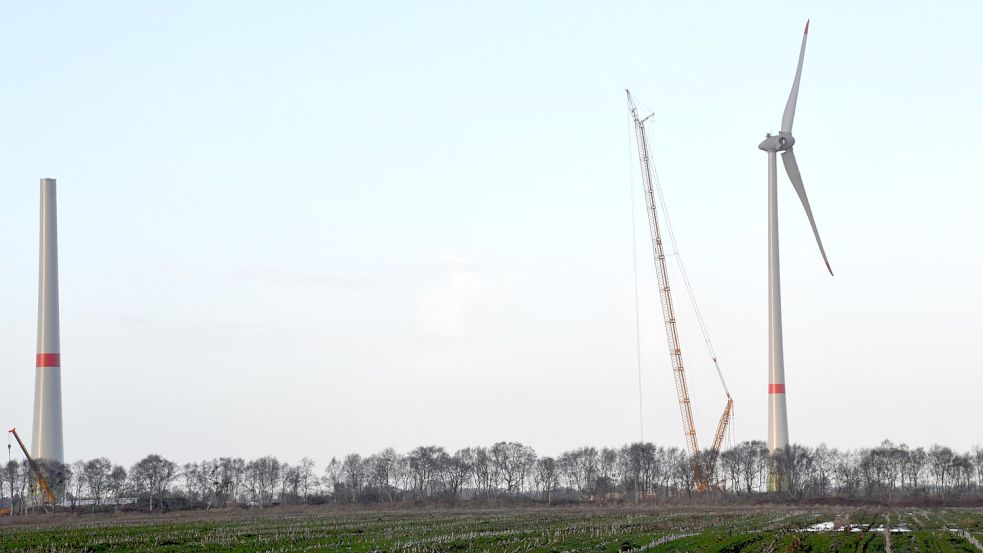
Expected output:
{"points": [[792, 168], [794, 95]]}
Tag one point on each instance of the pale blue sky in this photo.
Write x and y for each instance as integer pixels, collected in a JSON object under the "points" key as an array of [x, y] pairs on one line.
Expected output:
{"points": [[315, 228]]}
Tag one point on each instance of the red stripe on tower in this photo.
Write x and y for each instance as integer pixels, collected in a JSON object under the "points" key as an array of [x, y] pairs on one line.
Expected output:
{"points": [[776, 388], [49, 360]]}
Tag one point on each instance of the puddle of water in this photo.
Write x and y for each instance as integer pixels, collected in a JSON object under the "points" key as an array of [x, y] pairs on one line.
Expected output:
{"points": [[830, 526], [821, 527]]}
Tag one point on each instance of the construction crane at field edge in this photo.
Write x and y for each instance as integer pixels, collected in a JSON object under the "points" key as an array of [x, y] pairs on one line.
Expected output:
{"points": [[47, 496], [703, 467]]}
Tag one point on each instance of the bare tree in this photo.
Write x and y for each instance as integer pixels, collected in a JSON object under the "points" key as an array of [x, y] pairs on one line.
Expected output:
{"points": [[824, 462], [229, 477], [96, 473], [752, 459], [74, 482], [210, 481], [730, 467], [887, 472], [682, 471], [580, 468], [426, 463], [262, 478], [658, 473], [15, 475], [151, 475], [978, 462], [940, 464], [607, 472], [912, 468], [308, 480], [458, 471], [354, 473], [192, 481], [635, 458], [962, 473], [3, 487], [505, 458], [525, 458], [547, 477], [482, 471], [289, 484], [794, 466], [384, 467], [847, 474], [333, 479], [116, 484]]}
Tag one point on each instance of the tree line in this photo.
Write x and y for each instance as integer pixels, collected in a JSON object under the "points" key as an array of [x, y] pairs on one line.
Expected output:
{"points": [[510, 471]]}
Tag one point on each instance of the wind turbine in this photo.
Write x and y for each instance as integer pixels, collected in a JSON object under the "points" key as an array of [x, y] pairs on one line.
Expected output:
{"points": [[772, 144]]}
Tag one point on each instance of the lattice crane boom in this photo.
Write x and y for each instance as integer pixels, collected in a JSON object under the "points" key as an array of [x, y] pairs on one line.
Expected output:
{"points": [[665, 295], [718, 438], [704, 465]]}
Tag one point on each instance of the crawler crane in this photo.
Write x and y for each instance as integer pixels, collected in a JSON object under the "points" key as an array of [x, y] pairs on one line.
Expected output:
{"points": [[703, 464], [47, 496]]}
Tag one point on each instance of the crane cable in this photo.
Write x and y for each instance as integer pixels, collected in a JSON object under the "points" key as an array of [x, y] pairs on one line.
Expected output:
{"points": [[689, 287], [634, 259]]}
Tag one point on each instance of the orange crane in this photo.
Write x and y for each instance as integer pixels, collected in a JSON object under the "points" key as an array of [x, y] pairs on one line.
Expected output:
{"points": [[47, 496], [703, 467]]}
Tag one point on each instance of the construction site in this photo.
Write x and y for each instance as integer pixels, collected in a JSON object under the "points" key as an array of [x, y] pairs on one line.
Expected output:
{"points": [[427, 332]]}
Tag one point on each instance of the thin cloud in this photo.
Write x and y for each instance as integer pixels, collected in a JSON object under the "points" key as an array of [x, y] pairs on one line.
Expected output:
{"points": [[317, 279], [444, 308]]}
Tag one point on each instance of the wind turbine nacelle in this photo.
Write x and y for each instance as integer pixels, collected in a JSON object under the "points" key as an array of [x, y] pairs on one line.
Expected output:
{"points": [[777, 143]]}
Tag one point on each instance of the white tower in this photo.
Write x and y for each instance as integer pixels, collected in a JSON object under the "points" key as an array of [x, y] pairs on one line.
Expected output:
{"points": [[46, 442], [772, 144]]}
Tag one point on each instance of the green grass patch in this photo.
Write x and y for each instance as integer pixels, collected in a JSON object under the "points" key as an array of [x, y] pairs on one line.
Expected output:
{"points": [[537, 530]]}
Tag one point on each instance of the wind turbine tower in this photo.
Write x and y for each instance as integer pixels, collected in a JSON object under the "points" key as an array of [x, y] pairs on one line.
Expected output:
{"points": [[46, 442], [772, 144]]}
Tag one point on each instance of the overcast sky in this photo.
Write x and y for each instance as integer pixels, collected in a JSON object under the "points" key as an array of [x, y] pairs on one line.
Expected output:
{"points": [[316, 228]]}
